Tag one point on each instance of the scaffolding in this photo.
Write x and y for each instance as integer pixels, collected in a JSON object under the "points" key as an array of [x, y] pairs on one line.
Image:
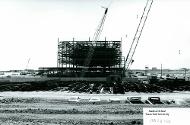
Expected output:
{"points": [[106, 60]]}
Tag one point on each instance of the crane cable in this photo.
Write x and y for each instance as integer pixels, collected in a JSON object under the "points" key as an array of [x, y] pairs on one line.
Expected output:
{"points": [[137, 31]]}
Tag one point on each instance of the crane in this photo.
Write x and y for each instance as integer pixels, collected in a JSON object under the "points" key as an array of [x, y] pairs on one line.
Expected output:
{"points": [[100, 27], [27, 63], [93, 43], [129, 59]]}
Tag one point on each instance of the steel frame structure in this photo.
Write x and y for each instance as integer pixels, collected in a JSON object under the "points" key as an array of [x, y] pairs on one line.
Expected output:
{"points": [[70, 61]]}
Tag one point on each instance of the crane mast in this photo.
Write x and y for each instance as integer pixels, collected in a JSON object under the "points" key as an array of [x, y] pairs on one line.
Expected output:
{"points": [[129, 58]]}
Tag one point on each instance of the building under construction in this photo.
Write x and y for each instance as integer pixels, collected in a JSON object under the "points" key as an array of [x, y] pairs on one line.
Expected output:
{"points": [[95, 58], [106, 59], [88, 59]]}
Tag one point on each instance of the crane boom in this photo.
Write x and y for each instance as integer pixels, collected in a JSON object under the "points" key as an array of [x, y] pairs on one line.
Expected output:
{"points": [[99, 28], [95, 39], [129, 58]]}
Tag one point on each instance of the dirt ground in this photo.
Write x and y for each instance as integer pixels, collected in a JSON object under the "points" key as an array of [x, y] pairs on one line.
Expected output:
{"points": [[33, 110]]}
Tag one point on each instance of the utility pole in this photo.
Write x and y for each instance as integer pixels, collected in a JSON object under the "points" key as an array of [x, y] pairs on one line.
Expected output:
{"points": [[161, 71], [185, 72], [58, 53]]}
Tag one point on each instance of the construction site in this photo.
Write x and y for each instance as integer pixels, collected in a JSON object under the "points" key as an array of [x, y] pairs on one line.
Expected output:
{"points": [[93, 83], [95, 66], [94, 58], [105, 60]]}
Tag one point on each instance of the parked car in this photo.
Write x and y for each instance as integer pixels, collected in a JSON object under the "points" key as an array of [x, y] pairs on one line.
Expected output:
{"points": [[135, 100], [154, 100]]}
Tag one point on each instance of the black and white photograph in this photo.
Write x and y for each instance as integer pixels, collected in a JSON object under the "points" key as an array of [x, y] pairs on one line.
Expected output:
{"points": [[94, 62]]}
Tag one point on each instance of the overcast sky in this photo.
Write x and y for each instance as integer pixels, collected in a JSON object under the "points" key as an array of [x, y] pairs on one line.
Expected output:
{"points": [[29, 29]]}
